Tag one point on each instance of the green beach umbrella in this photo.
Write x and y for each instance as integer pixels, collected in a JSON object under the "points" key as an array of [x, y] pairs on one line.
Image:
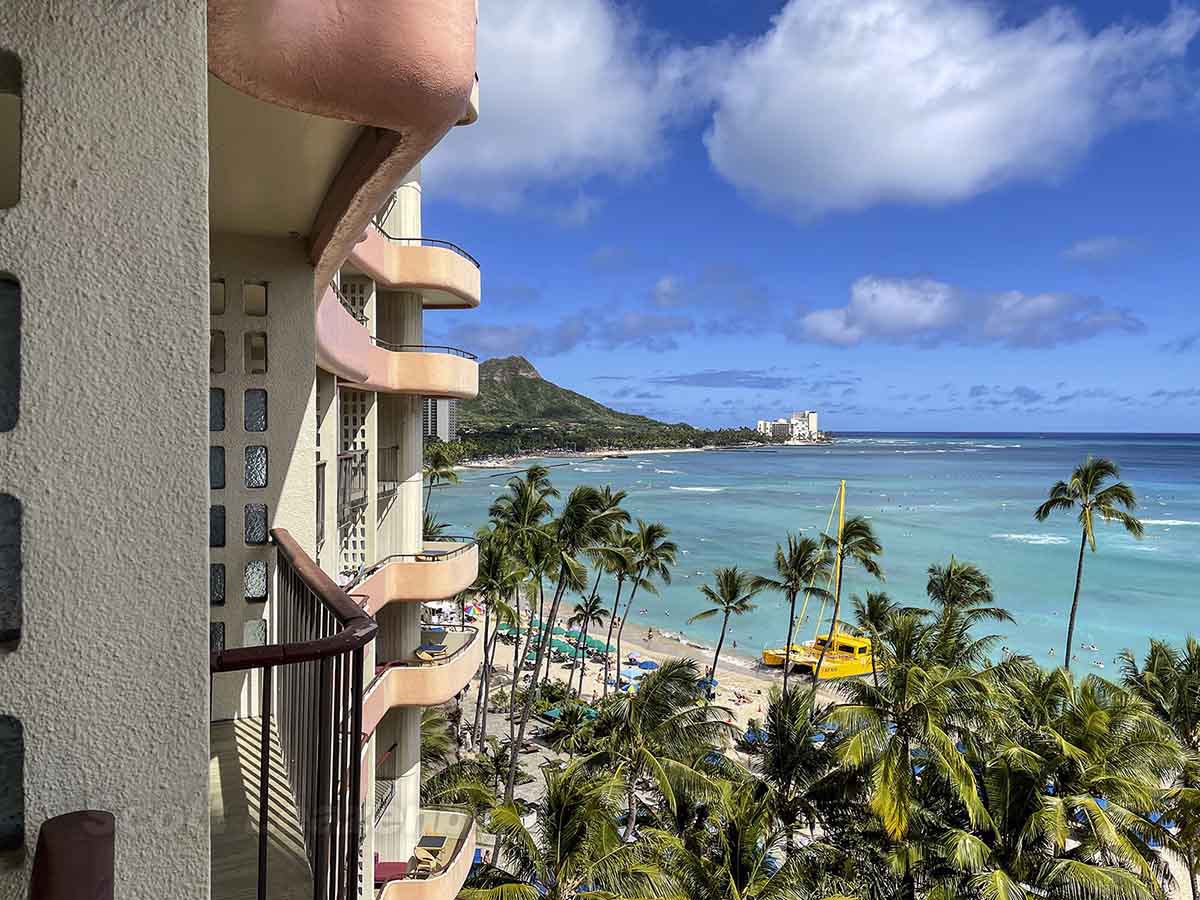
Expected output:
{"points": [[562, 647], [597, 644], [576, 635], [559, 630]]}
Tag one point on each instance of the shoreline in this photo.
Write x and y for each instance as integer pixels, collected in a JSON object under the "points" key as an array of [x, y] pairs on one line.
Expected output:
{"points": [[505, 462]]}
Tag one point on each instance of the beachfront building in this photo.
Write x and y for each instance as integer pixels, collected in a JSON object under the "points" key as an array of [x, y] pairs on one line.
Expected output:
{"points": [[213, 570], [440, 418], [801, 426]]}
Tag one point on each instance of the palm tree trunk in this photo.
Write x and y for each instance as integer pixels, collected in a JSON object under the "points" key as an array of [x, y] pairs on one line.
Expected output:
{"points": [[837, 608], [612, 620], [787, 647], [1075, 602], [481, 700], [582, 655], [489, 662], [631, 822], [1193, 875], [621, 627], [527, 706], [720, 643]]}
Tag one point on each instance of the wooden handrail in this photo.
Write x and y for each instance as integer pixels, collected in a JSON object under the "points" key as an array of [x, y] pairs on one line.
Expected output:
{"points": [[358, 628]]}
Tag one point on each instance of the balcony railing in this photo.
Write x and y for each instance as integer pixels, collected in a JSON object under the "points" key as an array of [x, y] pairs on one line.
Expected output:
{"points": [[320, 663], [351, 483], [358, 315], [421, 241], [430, 553], [320, 505], [388, 471], [421, 348]]}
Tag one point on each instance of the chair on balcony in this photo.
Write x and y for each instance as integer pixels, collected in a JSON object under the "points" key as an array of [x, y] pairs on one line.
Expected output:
{"points": [[431, 652]]}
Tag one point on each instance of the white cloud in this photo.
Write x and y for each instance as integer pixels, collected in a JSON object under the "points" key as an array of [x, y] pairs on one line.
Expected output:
{"points": [[843, 104], [1098, 249], [568, 90], [929, 312]]}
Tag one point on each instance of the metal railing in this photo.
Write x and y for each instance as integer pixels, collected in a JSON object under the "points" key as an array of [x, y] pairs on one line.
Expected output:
{"points": [[434, 555], [421, 348], [347, 305], [320, 663], [320, 505], [387, 472], [421, 241], [351, 483]]}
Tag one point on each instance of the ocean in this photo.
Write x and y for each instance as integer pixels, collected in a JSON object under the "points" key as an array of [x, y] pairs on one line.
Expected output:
{"points": [[928, 496]]}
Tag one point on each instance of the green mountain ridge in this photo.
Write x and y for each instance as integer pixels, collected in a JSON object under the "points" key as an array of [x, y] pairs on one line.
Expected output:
{"points": [[512, 393]]}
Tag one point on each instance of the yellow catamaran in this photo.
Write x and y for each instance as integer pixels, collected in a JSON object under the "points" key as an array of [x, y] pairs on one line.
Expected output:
{"points": [[848, 654]]}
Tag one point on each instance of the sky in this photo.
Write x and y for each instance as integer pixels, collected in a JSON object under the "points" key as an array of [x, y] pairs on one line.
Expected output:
{"points": [[910, 215]]}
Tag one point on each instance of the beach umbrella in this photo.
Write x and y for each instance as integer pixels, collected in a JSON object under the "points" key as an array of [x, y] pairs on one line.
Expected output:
{"points": [[530, 657], [598, 645], [648, 664], [708, 683], [562, 647], [559, 630], [632, 674], [576, 635]]}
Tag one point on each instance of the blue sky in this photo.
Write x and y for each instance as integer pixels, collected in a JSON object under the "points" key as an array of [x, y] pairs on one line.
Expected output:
{"points": [[908, 214]]}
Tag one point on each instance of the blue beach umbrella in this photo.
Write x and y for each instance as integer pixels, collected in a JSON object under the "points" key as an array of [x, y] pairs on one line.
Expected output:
{"points": [[649, 665]]}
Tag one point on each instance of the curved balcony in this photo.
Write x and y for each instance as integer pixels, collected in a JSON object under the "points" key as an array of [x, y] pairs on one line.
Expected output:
{"points": [[443, 665], [347, 349], [445, 275], [440, 863], [442, 569]]}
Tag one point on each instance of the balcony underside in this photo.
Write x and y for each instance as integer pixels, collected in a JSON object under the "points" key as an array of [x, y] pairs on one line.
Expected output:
{"points": [[443, 278], [447, 569], [233, 817]]}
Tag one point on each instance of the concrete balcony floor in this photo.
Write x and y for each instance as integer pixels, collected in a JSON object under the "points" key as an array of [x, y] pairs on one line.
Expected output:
{"points": [[233, 818]]}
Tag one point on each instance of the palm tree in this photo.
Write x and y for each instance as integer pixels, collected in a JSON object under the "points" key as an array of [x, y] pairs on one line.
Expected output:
{"points": [[440, 462], [731, 597], [584, 523], [657, 733], [1169, 682], [857, 543], [1088, 492], [733, 856], [653, 556], [572, 849], [796, 761], [586, 614], [798, 568], [961, 594], [498, 577], [873, 617], [916, 710], [570, 732], [620, 566], [432, 527]]}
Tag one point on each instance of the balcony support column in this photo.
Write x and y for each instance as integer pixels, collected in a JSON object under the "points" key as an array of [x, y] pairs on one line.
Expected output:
{"points": [[400, 828]]}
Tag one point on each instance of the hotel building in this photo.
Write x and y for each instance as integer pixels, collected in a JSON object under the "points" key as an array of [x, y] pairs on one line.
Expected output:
{"points": [[214, 654]]}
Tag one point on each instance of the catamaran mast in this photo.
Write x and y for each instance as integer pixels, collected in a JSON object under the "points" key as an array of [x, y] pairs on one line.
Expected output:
{"points": [[837, 563]]}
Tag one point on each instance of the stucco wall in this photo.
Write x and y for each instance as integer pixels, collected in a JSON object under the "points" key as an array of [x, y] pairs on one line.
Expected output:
{"points": [[290, 435], [109, 241]]}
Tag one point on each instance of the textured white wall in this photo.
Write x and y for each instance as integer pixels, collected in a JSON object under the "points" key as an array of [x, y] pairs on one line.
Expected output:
{"points": [[110, 243]]}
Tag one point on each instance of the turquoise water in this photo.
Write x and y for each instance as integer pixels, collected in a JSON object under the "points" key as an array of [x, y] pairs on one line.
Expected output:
{"points": [[928, 496]]}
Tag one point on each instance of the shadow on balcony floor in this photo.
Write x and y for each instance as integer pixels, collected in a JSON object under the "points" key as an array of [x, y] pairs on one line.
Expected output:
{"points": [[233, 815]]}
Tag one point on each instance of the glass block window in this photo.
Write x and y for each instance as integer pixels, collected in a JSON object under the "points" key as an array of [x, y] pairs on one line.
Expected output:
{"points": [[12, 784], [10, 131], [256, 523], [254, 634], [254, 298], [256, 467], [10, 571], [216, 584], [216, 468], [255, 409], [216, 526], [216, 409], [10, 352], [216, 297], [255, 581], [354, 294], [216, 637], [216, 352], [256, 353]]}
